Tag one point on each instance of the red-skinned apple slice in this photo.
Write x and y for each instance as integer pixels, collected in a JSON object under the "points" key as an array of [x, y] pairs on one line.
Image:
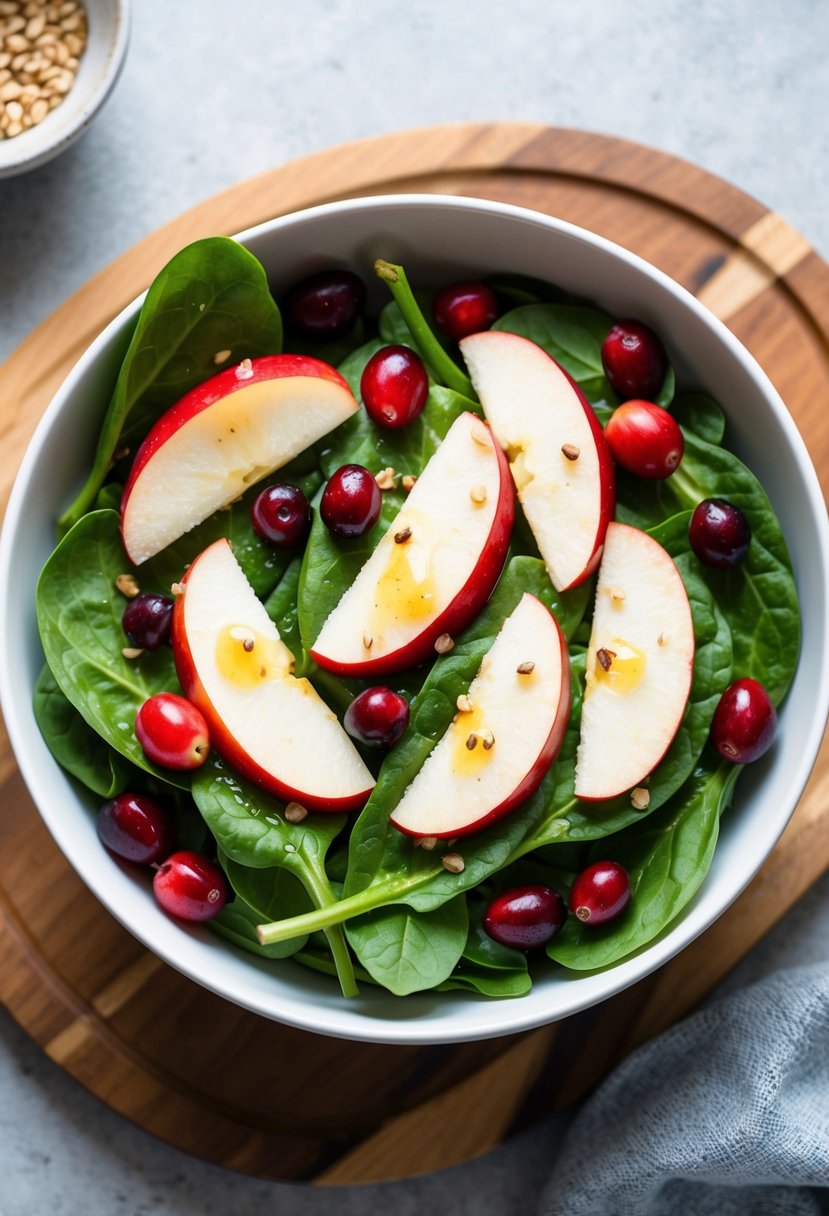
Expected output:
{"points": [[270, 726], [558, 456], [435, 567], [496, 752], [223, 436], [639, 665]]}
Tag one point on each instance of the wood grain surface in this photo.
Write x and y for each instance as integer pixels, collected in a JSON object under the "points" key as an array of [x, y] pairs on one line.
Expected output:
{"points": [[256, 1096]]}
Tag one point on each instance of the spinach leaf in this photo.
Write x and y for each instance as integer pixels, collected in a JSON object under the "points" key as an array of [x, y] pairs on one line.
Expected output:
{"points": [[667, 858], [573, 334], [701, 414], [250, 828], [409, 951], [666, 393], [502, 984], [76, 746], [212, 296], [266, 894], [281, 607], [482, 950], [331, 350], [515, 290], [79, 618], [237, 923]]}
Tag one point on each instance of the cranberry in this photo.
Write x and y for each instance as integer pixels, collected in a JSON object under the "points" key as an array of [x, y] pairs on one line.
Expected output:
{"points": [[464, 308], [172, 732], [190, 887], [147, 621], [744, 723], [600, 893], [377, 717], [281, 515], [323, 305], [525, 917], [644, 439], [634, 360], [136, 827], [351, 502], [394, 386], [719, 533]]}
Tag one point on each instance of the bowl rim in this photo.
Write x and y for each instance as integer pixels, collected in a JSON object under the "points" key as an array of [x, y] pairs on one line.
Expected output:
{"points": [[343, 1020], [42, 153]]}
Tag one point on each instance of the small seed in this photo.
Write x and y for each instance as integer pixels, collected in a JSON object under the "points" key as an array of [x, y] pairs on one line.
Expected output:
{"points": [[245, 370], [616, 594], [132, 652], [19, 61], [34, 27], [488, 741], [10, 91], [63, 83], [177, 589], [464, 704], [525, 669], [662, 640], [640, 798], [40, 109], [14, 110], [14, 128], [386, 479], [605, 657], [367, 641], [8, 8], [427, 843], [402, 536], [444, 644], [73, 44], [61, 54], [248, 645], [126, 584], [70, 24], [570, 451], [472, 742], [408, 482], [295, 812], [221, 356], [478, 494], [453, 862], [480, 435], [16, 24], [16, 43]]}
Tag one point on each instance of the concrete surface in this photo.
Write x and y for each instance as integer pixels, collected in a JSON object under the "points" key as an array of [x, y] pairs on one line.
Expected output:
{"points": [[214, 92]]}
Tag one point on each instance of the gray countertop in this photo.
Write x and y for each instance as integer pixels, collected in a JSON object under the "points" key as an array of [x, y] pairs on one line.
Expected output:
{"points": [[213, 93]]}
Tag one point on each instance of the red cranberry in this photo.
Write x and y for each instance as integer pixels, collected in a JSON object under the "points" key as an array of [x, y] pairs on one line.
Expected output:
{"points": [[351, 502], [600, 893], [634, 360], [644, 439], [719, 533], [147, 621], [464, 308], [394, 386], [281, 515], [172, 732], [190, 887], [377, 717], [323, 305], [136, 827], [525, 917], [744, 723]]}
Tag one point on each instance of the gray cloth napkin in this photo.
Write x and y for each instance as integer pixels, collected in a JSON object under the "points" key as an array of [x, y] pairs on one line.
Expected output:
{"points": [[725, 1115]]}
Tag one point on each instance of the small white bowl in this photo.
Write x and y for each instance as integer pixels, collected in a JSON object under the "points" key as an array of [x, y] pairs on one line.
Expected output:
{"points": [[437, 239], [100, 66]]}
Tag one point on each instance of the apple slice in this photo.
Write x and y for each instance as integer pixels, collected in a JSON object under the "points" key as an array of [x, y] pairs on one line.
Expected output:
{"points": [[270, 726], [223, 436], [559, 459], [435, 567], [639, 665], [496, 752]]}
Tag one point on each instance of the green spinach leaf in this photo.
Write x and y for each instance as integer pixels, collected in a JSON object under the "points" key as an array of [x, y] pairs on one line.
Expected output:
{"points": [[409, 951], [74, 744], [699, 413]]}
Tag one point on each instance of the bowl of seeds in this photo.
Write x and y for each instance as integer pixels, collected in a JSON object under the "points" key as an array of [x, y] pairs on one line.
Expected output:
{"points": [[59, 61]]}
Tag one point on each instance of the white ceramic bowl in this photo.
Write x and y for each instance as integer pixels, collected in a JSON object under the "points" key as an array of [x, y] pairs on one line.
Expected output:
{"points": [[437, 239], [107, 40]]}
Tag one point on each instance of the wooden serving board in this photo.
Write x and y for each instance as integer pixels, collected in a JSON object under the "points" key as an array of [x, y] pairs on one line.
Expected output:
{"points": [[256, 1096]]}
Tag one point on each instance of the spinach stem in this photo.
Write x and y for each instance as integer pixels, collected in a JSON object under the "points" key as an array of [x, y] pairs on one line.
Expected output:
{"points": [[443, 367], [318, 887], [323, 917]]}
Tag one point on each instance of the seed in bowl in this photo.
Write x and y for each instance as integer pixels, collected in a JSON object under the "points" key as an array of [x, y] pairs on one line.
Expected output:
{"points": [[40, 51]]}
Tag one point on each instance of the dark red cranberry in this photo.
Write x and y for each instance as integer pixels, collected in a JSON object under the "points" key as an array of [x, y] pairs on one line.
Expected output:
{"points": [[719, 533], [323, 305], [525, 917], [644, 439], [172, 731], [190, 887], [351, 502], [136, 827], [377, 717], [464, 308], [634, 360], [745, 722], [281, 515], [600, 893], [394, 386], [147, 621]]}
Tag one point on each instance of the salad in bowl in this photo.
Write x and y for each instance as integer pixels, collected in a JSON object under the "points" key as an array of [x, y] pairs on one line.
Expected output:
{"points": [[412, 636]]}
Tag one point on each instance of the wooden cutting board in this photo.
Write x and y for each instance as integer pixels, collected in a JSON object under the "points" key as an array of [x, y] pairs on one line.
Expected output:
{"points": [[265, 1099]]}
